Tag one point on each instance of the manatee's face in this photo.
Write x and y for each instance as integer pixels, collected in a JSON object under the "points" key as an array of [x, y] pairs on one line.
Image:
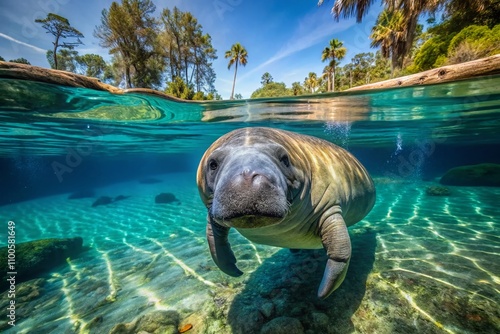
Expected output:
{"points": [[249, 185]]}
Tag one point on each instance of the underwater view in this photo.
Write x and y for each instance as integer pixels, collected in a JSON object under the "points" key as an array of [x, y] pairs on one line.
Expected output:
{"points": [[103, 187]]}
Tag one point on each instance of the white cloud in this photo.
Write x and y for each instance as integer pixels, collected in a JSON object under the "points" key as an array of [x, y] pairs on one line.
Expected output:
{"points": [[37, 49]]}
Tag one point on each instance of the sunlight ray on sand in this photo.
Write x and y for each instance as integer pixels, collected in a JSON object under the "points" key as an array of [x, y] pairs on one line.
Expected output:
{"points": [[185, 267], [256, 253], [137, 249], [413, 304], [111, 276], [77, 321], [407, 296], [74, 268], [152, 298]]}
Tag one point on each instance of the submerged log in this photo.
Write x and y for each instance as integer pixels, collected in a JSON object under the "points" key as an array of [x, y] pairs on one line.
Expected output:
{"points": [[471, 69]]}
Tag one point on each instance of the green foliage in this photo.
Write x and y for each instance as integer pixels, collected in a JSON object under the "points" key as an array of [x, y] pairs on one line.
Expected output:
{"points": [[185, 50], [266, 78], [92, 65], [60, 27], [474, 42], [66, 59], [470, 34], [129, 29], [312, 82], [238, 96], [297, 89], [430, 51], [19, 61], [1, 58], [272, 89], [199, 96], [381, 70], [362, 63], [389, 33], [180, 89]]}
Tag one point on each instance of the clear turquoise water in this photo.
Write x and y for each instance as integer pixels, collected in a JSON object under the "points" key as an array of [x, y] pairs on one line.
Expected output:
{"points": [[421, 264]]}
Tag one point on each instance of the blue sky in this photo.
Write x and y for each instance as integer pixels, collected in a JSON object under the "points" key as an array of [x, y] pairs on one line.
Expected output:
{"points": [[284, 38]]}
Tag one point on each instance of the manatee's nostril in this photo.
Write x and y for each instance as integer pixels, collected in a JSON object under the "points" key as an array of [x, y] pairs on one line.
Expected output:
{"points": [[249, 175]]}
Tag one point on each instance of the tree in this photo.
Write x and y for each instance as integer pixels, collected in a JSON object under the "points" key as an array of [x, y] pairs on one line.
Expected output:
{"points": [[266, 79], [297, 89], [19, 61], [458, 15], [128, 29], [410, 9], [381, 70], [60, 28], [66, 59], [474, 42], [92, 65], [389, 34], [237, 55], [180, 89], [272, 89], [187, 52], [238, 96], [334, 52], [1, 58], [311, 82], [362, 63]]}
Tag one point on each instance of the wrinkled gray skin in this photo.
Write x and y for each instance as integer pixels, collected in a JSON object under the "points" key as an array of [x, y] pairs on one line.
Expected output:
{"points": [[283, 189]]}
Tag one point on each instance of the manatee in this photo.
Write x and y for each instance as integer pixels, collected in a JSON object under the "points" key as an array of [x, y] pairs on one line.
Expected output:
{"points": [[103, 200], [283, 189], [165, 198]]}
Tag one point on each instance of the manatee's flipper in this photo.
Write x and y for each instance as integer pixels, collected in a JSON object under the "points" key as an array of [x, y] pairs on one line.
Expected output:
{"points": [[220, 249], [337, 244]]}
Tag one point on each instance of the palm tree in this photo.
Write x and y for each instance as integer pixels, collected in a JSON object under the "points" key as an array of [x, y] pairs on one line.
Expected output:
{"points": [[311, 82], [389, 33], [335, 52], [327, 72], [410, 9], [237, 55]]}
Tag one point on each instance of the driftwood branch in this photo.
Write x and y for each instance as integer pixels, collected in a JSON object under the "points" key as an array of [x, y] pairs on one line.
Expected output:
{"points": [[34, 73], [471, 69]]}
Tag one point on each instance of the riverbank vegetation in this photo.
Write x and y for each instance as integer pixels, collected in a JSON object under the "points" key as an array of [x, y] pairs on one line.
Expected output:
{"points": [[457, 31], [171, 52]]}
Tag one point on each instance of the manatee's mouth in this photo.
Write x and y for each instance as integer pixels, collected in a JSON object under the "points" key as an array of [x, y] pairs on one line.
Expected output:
{"points": [[249, 220]]}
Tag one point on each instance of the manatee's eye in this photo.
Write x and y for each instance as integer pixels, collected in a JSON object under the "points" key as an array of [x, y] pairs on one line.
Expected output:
{"points": [[212, 164], [285, 160]]}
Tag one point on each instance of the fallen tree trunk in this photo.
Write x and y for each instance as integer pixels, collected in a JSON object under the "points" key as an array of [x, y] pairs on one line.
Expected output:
{"points": [[471, 69], [63, 78]]}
